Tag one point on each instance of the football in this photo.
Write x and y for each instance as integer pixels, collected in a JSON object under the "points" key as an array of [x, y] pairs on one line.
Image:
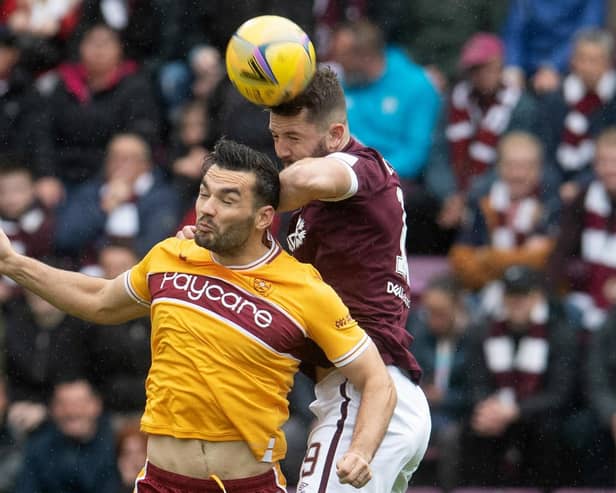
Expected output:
{"points": [[270, 60]]}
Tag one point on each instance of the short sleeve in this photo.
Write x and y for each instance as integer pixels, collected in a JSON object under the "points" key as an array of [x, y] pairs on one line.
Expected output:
{"points": [[330, 325], [136, 281]]}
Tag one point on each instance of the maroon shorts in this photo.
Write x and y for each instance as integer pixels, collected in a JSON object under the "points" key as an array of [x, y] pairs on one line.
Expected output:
{"points": [[156, 480]]}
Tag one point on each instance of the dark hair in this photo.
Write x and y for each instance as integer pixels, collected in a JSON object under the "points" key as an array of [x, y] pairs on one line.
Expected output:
{"points": [[446, 283], [322, 99], [521, 280], [234, 156], [12, 162], [367, 36]]}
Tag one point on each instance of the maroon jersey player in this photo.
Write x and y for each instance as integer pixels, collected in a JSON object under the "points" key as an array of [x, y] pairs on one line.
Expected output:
{"points": [[349, 223]]}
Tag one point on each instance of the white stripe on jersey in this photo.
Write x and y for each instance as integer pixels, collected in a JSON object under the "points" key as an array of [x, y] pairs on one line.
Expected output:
{"points": [[349, 160], [131, 292], [353, 353]]}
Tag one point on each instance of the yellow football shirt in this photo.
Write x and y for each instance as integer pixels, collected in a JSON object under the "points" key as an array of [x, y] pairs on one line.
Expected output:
{"points": [[226, 341]]}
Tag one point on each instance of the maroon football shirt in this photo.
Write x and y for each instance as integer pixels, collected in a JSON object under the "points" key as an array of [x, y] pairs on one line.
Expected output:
{"points": [[358, 246]]}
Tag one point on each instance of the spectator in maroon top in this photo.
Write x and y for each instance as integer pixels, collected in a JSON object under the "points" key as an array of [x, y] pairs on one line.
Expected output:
{"points": [[22, 217], [521, 382]]}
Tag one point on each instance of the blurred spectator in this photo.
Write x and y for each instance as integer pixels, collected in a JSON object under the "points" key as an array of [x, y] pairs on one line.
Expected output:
{"points": [[97, 97], [38, 339], [201, 78], [513, 222], [434, 31], [580, 109], [24, 220], [600, 380], [219, 19], [583, 262], [521, 379], [142, 25], [10, 450], [538, 37], [43, 28], [188, 151], [252, 129], [482, 108], [392, 105], [131, 449], [440, 327], [75, 451], [120, 354], [130, 203], [19, 101], [328, 14]]}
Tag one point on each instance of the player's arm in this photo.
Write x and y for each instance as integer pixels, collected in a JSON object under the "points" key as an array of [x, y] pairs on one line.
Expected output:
{"points": [[90, 298], [324, 178], [378, 400]]}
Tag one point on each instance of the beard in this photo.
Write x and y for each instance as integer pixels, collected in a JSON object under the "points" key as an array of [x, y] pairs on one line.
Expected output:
{"points": [[228, 241], [319, 150]]}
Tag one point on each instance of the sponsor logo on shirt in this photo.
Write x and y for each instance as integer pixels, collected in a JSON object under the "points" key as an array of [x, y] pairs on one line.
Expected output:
{"points": [[341, 322], [208, 291], [397, 290], [296, 239], [262, 287]]}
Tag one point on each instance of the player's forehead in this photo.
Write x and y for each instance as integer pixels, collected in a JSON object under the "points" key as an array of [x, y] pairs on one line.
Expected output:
{"points": [[221, 178], [285, 124]]}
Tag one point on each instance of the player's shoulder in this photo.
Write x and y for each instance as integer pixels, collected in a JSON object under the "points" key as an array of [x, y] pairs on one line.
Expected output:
{"points": [[372, 170], [301, 272], [172, 249]]}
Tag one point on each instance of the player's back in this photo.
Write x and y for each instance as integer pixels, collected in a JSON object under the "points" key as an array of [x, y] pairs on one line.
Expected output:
{"points": [[358, 246]]}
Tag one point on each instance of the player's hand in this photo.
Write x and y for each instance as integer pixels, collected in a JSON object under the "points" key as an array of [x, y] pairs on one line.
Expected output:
{"points": [[6, 250], [186, 233], [354, 469]]}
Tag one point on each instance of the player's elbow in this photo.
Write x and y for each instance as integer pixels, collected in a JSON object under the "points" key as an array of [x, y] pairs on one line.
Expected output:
{"points": [[391, 395]]}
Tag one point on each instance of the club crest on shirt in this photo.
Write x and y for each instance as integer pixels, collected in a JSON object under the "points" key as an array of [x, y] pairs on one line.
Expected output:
{"points": [[296, 239], [262, 287]]}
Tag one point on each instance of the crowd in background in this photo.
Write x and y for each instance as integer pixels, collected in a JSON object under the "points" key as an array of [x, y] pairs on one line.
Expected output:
{"points": [[500, 118]]}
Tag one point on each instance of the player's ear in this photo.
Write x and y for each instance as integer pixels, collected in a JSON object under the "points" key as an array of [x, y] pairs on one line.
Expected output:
{"points": [[264, 217], [335, 136]]}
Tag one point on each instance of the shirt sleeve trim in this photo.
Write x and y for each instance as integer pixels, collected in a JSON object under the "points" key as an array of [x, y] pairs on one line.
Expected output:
{"points": [[131, 292], [349, 161], [354, 353]]}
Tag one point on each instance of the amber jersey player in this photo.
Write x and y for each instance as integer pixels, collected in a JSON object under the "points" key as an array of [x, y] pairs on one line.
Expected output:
{"points": [[349, 222], [229, 313]]}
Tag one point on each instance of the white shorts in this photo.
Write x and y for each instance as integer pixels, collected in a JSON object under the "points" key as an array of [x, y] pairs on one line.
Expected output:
{"points": [[399, 455]]}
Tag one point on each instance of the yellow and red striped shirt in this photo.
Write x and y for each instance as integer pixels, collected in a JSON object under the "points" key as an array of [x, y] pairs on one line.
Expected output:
{"points": [[226, 341]]}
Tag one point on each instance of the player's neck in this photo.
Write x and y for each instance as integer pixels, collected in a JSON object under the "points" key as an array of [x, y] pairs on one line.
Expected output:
{"points": [[254, 250]]}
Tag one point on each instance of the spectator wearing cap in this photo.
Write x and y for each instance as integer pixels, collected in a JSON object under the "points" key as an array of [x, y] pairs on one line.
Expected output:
{"points": [[513, 219], [583, 105], [521, 380], [482, 107]]}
